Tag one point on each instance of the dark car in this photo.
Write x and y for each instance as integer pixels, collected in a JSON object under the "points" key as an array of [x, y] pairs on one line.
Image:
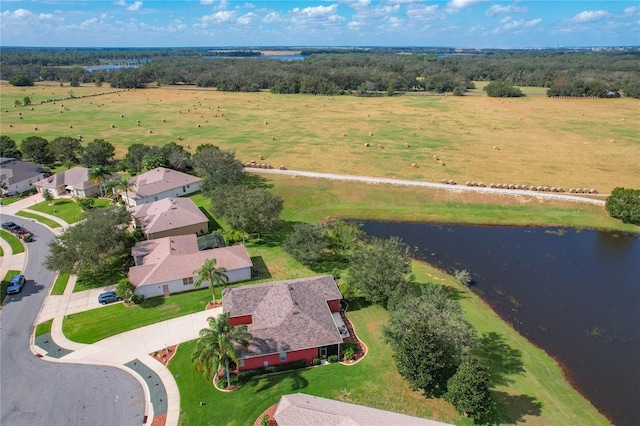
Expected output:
{"points": [[109, 297], [10, 226], [16, 284]]}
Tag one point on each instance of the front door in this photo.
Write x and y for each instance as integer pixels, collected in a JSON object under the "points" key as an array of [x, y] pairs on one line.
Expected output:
{"points": [[165, 289], [323, 352]]}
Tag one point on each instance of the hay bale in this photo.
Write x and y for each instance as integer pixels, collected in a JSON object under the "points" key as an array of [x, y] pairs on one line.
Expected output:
{"points": [[413, 133], [198, 125], [554, 189], [344, 135], [467, 183], [496, 147], [560, 189], [150, 131], [380, 146], [121, 115], [406, 145], [261, 157], [452, 182], [282, 167], [113, 126], [445, 181], [370, 133], [579, 191], [435, 157], [481, 185], [272, 138], [35, 128], [442, 163], [518, 186], [593, 191], [460, 127], [572, 190], [414, 165], [10, 125], [533, 188], [266, 122], [612, 141], [367, 145]]}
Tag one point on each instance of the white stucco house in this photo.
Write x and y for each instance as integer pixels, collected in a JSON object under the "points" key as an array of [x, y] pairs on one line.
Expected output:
{"points": [[164, 266], [19, 176], [75, 182], [158, 184]]}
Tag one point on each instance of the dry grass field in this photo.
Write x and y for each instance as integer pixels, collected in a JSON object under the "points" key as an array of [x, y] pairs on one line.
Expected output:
{"points": [[586, 143]]}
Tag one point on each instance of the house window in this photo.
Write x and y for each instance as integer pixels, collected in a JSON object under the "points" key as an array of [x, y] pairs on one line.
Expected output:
{"points": [[283, 356], [184, 189], [265, 364], [241, 362], [187, 281]]}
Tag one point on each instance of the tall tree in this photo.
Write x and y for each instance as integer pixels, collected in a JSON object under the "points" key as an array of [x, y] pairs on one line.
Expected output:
{"points": [[217, 168], [212, 275], [98, 153], [136, 153], [217, 345], [93, 246], [66, 148], [8, 148], [177, 157], [381, 269], [37, 149], [124, 184], [624, 204], [306, 242], [468, 389], [344, 237], [98, 176], [429, 338]]}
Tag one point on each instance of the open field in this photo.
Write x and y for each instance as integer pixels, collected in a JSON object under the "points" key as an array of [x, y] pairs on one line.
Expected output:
{"points": [[586, 143]]}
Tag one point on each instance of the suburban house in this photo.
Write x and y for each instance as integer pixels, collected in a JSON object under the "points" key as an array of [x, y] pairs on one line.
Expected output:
{"points": [[160, 183], [289, 320], [169, 217], [302, 409], [165, 265], [75, 182], [19, 176]]}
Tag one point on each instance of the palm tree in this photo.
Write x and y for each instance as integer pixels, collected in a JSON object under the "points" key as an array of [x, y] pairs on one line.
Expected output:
{"points": [[217, 345], [98, 175], [123, 184], [215, 276]]}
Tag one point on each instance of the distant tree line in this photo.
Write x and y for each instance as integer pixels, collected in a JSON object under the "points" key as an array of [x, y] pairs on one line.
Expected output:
{"points": [[334, 71]]}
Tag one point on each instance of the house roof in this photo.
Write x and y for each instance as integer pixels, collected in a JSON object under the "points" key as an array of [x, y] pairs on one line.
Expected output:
{"points": [[14, 170], [301, 409], [159, 180], [168, 213], [173, 258], [76, 177], [286, 315]]}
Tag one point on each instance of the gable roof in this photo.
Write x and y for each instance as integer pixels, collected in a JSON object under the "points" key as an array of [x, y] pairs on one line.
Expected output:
{"points": [[174, 258], [286, 315], [159, 180], [76, 177], [301, 409], [14, 170], [168, 213]]}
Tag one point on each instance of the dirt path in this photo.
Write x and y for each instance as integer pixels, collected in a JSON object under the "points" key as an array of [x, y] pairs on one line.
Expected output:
{"points": [[435, 185]]}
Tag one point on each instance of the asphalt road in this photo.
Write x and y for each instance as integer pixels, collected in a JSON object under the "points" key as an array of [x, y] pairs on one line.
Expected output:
{"points": [[35, 392]]}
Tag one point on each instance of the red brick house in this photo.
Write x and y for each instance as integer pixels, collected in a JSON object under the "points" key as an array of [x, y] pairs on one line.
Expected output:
{"points": [[289, 320]]}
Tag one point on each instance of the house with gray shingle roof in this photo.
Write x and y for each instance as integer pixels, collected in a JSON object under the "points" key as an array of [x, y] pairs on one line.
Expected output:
{"points": [[169, 217], [301, 409], [158, 184], [165, 266], [289, 320], [19, 176]]}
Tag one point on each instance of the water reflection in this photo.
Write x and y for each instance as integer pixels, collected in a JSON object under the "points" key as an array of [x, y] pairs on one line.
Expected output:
{"points": [[573, 293]]}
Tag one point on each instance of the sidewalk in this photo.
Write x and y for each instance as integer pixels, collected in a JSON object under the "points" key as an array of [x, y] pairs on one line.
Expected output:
{"points": [[120, 351]]}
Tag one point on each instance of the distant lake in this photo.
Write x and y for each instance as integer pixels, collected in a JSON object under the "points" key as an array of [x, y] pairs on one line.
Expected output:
{"points": [[117, 65], [276, 57], [573, 293]]}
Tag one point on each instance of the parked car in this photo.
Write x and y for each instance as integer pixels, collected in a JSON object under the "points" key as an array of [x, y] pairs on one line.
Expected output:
{"points": [[10, 226], [109, 297], [16, 284]]}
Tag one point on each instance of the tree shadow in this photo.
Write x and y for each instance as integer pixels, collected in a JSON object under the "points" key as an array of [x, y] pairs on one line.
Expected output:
{"points": [[331, 264], [153, 302], [501, 359], [213, 224], [511, 409], [255, 181], [260, 266], [357, 303], [454, 293], [294, 382]]}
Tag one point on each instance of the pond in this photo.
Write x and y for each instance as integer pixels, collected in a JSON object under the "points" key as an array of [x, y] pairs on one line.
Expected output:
{"points": [[574, 293]]}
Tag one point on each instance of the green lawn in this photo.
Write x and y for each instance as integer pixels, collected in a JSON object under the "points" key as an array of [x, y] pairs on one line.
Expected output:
{"points": [[16, 245], [97, 324], [67, 209], [44, 327], [60, 284], [5, 283], [39, 218]]}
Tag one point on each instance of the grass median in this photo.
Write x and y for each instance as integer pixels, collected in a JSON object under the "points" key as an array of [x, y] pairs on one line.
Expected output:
{"points": [[39, 218], [14, 242]]}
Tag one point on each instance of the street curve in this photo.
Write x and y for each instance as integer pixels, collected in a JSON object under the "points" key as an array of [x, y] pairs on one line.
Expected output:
{"points": [[36, 392]]}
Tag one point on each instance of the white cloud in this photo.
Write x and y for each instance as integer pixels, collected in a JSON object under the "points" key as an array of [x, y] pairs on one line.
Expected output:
{"points": [[218, 17], [497, 9], [247, 18], [463, 4], [316, 12], [135, 6], [206, 2], [590, 16], [508, 24], [18, 14], [176, 26], [424, 13], [631, 10]]}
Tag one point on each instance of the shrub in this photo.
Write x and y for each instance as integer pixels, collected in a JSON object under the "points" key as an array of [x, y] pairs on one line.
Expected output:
{"points": [[349, 349], [316, 361], [137, 299], [264, 420], [332, 359]]}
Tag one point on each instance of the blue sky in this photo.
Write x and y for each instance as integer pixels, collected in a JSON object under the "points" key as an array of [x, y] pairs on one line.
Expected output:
{"points": [[453, 23]]}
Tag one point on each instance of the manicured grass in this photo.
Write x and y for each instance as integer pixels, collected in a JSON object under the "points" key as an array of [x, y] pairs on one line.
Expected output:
{"points": [[60, 284], [67, 209], [87, 283], [97, 324], [12, 199], [372, 382], [15, 243], [43, 328], [5, 284], [39, 218]]}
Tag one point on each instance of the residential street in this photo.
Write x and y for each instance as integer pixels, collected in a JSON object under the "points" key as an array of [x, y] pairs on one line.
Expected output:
{"points": [[38, 392]]}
